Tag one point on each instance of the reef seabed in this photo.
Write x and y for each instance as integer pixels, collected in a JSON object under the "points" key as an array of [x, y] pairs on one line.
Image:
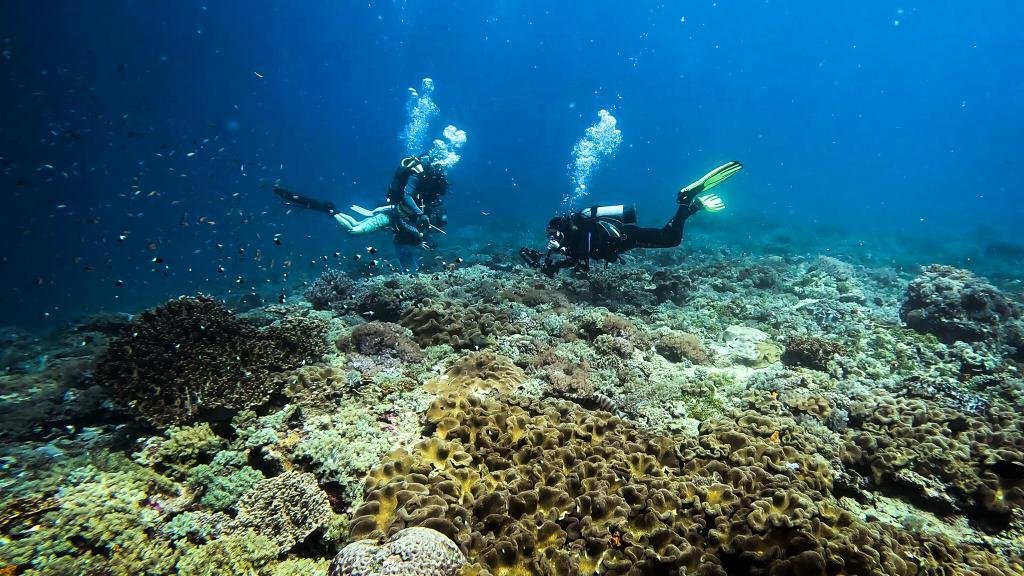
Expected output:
{"points": [[726, 416]]}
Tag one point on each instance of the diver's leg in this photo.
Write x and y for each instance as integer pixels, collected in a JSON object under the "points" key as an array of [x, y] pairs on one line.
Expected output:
{"points": [[668, 236], [346, 221], [369, 225]]}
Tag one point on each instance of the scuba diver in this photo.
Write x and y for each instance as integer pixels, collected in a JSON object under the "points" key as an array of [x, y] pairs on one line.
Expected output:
{"points": [[414, 207], [605, 232]]}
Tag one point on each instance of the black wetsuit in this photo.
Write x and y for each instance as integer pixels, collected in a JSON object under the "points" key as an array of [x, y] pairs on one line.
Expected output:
{"points": [[418, 202], [585, 239]]}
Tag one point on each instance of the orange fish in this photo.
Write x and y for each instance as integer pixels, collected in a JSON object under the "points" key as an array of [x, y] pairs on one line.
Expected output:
{"points": [[774, 438]]}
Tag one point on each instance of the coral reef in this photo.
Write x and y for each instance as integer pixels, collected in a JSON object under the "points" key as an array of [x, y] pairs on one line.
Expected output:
{"points": [[191, 354], [946, 460], [811, 352], [553, 489], [953, 304], [285, 509], [687, 412], [409, 552], [458, 325], [382, 339], [482, 370], [331, 291]]}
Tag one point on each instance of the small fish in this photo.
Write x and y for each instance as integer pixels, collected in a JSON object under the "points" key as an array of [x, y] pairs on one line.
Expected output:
{"points": [[258, 75], [774, 438], [371, 250], [119, 283], [356, 257], [220, 269], [277, 241], [158, 260], [458, 260], [368, 313], [281, 299], [373, 262], [190, 154]]}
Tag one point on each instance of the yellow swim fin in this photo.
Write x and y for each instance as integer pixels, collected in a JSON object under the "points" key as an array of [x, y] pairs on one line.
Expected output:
{"points": [[708, 181]]}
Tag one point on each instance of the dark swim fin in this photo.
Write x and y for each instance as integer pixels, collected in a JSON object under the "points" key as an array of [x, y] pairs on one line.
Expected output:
{"points": [[293, 199], [708, 181]]}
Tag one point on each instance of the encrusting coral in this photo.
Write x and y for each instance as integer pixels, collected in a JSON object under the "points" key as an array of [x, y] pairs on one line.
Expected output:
{"points": [[191, 354]]}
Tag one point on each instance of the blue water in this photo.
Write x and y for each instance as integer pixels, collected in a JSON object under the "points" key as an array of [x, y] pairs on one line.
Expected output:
{"points": [[898, 125]]}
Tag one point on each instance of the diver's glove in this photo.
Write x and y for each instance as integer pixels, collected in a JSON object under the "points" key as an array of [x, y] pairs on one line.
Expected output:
{"points": [[422, 221]]}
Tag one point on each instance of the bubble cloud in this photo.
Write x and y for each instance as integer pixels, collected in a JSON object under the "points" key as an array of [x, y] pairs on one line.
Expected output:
{"points": [[599, 142]]}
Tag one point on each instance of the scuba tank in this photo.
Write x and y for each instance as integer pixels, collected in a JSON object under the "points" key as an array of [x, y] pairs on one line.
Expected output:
{"points": [[620, 212]]}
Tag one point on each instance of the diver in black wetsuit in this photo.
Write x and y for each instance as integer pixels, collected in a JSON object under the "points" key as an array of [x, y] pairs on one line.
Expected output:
{"points": [[414, 208], [605, 232]]}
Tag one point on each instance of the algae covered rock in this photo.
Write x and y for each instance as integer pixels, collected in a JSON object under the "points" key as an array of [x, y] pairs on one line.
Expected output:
{"points": [[409, 552]]}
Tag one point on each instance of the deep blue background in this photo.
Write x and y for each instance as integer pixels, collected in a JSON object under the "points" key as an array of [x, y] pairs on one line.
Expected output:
{"points": [[853, 121]]}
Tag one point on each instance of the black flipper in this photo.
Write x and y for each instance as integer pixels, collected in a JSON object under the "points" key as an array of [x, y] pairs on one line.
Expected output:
{"points": [[293, 199]]}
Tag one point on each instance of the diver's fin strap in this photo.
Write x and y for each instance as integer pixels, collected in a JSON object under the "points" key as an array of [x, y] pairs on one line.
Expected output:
{"points": [[712, 179], [299, 201]]}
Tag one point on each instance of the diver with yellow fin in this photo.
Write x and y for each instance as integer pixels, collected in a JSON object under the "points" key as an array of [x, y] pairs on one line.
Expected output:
{"points": [[605, 232]]}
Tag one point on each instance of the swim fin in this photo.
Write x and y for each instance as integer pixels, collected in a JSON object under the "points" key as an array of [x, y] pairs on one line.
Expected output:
{"points": [[293, 199], [710, 202], [708, 181]]}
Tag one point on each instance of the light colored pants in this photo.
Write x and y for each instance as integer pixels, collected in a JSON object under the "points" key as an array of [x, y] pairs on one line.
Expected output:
{"points": [[365, 226]]}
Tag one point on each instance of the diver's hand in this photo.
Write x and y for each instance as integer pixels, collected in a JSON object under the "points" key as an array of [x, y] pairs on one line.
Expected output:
{"points": [[426, 246], [422, 221], [553, 245]]}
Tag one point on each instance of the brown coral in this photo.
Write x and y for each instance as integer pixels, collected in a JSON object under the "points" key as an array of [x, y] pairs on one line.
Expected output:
{"points": [[482, 370], [461, 327], [678, 346], [943, 459], [382, 339], [191, 354], [551, 489], [811, 352], [285, 509]]}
